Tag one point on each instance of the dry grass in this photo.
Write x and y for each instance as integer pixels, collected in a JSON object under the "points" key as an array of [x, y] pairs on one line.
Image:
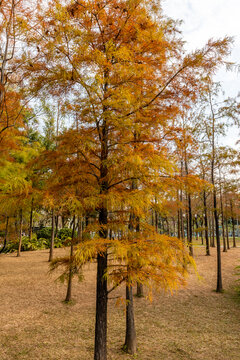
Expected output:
{"points": [[195, 323]]}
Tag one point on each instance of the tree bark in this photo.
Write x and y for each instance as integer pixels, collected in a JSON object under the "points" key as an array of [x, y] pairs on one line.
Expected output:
{"points": [[130, 345], [100, 352], [70, 275], [206, 223], [56, 224], [20, 230], [219, 267], [233, 225], [31, 221], [139, 290], [190, 224], [100, 348], [212, 232], [227, 233], [80, 232], [52, 238], [222, 221], [5, 236]]}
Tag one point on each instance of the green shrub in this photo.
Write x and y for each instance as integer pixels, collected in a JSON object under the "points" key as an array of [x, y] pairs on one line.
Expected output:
{"points": [[44, 233], [27, 245], [58, 243], [64, 233]]}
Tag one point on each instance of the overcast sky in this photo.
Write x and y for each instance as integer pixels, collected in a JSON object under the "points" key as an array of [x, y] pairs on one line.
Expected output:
{"points": [[205, 19]]}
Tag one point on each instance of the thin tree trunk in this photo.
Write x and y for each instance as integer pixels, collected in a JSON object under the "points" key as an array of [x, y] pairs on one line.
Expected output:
{"points": [[156, 221], [168, 227], [139, 290], [201, 233], [5, 236], [215, 211], [31, 222], [174, 227], [52, 237], [219, 268], [213, 232], [196, 222], [70, 275], [228, 244], [190, 224], [233, 224], [56, 224], [20, 233], [179, 226], [80, 232], [206, 223], [130, 345], [222, 220]]}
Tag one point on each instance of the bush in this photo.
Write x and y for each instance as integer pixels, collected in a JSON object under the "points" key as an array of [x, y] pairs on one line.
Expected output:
{"points": [[27, 245], [44, 233], [64, 233]]}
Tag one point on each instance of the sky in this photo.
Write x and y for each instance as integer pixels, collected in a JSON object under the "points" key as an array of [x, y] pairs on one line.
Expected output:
{"points": [[205, 19]]}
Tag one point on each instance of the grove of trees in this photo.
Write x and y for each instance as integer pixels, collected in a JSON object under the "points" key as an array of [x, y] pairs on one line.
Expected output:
{"points": [[110, 143]]}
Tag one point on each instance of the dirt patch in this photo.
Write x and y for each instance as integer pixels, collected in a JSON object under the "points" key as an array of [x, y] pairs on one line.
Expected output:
{"points": [[194, 323]]}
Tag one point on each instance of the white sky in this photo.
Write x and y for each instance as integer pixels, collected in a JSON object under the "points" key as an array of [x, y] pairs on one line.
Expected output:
{"points": [[205, 19]]}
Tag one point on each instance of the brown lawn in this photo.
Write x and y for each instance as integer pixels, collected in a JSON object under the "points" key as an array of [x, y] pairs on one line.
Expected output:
{"points": [[195, 323]]}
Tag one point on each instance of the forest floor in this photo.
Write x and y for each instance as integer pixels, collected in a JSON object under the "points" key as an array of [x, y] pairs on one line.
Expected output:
{"points": [[193, 323]]}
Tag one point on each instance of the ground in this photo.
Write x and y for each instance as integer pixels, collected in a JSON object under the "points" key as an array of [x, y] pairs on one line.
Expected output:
{"points": [[194, 323]]}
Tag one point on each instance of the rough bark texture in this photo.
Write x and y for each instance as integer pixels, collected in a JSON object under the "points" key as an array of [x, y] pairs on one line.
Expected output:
{"points": [[130, 345], [100, 352]]}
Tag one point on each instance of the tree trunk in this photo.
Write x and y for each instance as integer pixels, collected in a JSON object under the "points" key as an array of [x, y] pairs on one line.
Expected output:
{"points": [[179, 226], [70, 275], [213, 232], [215, 213], [31, 222], [100, 352], [130, 345], [196, 222], [80, 232], [52, 237], [206, 223], [190, 225], [201, 234], [100, 349], [5, 236], [56, 224], [139, 290], [219, 268], [233, 225], [228, 244], [156, 221], [168, 227], [20, 238], [222, 221]]}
